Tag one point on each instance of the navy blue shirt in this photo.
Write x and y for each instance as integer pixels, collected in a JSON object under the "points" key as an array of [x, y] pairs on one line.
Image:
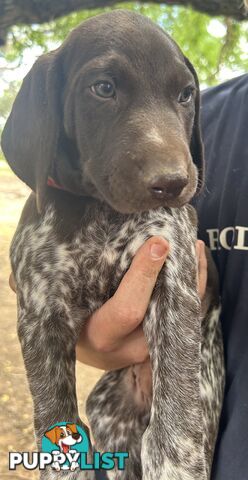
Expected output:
{"points": [[223, 218]]}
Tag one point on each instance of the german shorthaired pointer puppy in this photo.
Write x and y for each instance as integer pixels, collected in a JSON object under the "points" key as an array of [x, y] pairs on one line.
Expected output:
{"points": [[105, 130]]}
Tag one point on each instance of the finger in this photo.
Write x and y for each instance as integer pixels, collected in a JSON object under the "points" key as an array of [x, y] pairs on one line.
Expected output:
{"points": [[126, 309], [131, 351], [133, 295], [202, 268], [12, 282]]}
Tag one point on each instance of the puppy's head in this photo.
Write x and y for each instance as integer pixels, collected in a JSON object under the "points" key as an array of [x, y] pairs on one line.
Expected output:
{"points": [[112, 113]]}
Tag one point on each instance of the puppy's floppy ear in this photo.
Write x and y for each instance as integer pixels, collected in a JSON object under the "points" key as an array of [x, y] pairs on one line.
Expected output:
{"points": [[196, 145], [52, 434], [30, 136]]}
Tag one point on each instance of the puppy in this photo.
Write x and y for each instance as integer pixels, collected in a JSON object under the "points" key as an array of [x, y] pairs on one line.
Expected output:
{"points": [[105, 130]]}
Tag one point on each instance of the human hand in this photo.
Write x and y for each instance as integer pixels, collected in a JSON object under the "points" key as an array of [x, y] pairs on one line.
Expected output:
{"points": [[202, 268], [113, 337]]}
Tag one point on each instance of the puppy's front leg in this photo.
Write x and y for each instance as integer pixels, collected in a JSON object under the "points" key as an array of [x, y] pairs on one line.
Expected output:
{"points": [[48, 347], [118, 410], [173, 445]]}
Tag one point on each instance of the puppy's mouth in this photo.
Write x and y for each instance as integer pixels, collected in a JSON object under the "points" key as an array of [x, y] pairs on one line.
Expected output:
{"points": [[127, 201], [65, 447], [145, 191], [127, 197]]}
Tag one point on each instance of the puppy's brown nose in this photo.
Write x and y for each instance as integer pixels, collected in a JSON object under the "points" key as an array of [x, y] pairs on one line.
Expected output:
{"points": [[168, 186], [76, 436]]}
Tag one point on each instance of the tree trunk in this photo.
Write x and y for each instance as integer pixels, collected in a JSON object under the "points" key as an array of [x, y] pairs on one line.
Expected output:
{"points": [[17, 12]]}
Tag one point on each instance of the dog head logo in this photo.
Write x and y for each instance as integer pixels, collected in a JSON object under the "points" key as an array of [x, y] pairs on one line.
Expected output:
{"points": [[64, 436], [65, 441]]}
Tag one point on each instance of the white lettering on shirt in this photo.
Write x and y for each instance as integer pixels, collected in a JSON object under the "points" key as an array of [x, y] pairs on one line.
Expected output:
{"points": [[242, 238], [213, 235], [228, 238]]}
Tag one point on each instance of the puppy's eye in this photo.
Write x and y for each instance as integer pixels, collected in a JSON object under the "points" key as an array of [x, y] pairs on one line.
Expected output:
{"points": [[62, 435], [103, 89], [186, 94]]}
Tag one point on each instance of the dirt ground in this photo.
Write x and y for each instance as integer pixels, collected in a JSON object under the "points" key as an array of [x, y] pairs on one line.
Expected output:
{"points": [[15, 400]]}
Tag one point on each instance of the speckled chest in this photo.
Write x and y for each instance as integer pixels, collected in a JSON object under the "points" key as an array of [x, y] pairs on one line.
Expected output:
{"points": [[84, 268]]}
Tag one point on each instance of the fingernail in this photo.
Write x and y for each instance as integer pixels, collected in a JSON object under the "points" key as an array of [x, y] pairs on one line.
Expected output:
{"points": [[158, 250]]}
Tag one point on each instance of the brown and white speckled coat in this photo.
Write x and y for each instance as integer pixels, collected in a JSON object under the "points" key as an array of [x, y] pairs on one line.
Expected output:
{"points": [[69, 255]]}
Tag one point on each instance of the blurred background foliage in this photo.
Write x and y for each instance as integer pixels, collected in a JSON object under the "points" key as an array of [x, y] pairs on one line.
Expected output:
{"points": [[217, 46]]}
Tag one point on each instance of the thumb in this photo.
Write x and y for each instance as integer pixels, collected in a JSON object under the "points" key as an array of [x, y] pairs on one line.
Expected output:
{"points": [[132, 297]]}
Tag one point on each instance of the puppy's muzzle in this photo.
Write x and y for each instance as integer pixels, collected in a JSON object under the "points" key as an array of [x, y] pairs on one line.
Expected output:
{"points": [[168, 186]]}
